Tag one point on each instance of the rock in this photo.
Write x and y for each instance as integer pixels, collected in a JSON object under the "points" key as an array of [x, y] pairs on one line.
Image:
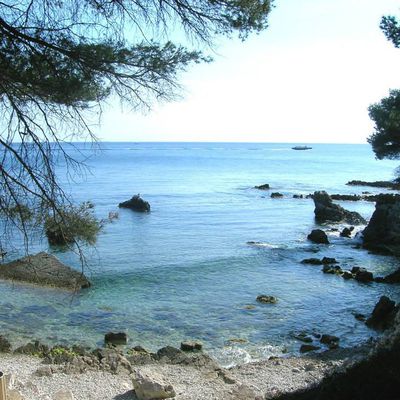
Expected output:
{"points": [[327, 211], [265, 186], [362, 275], [5, 345], [346, 232], [44, 269], [136, 203], [347, 275], [393, 277], [383, 314], [226, 377], [328, 260], [119, 338], [191, 346], [151, 386], [380, 184], [14, 395], [303, 337], [330, 340], [33, 349], [360, 317], [44, 371], [383, 230], [276, 195], [298, 196], [312, 261], [266, 299], [346, 197], [63, 395], [328, 269], [318, 236], [305, 348], [171, 355]]}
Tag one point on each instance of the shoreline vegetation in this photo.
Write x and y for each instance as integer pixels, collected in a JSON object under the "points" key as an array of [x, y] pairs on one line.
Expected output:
{"points": [[35, 371]]}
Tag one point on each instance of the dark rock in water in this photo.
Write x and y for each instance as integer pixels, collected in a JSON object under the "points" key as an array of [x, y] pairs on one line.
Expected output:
{"points": [[346, 197], [379, 279], [298, 196], [302, 336], [354, 270], [5, 345], [346, 232], [383, 230], [171, 355], [362, 275], [328, 269], [318, 236], [266, 299], [327, 211], [305, 348], [383, 314], [44, 269], [116, 338], [360, 317], [380, 184], [136, 203], [330, 340], [33, 348], [276, 195], [191, 346], [393, 277], [265, 186], [347, 275], [312, 261], [329, 260]]}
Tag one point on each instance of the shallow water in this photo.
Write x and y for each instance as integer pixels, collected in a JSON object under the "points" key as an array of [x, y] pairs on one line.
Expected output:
{"points": [[186, 271]]}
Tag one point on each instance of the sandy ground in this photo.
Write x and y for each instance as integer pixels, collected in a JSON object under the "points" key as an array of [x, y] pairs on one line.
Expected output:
{"points": [[261, 380]]}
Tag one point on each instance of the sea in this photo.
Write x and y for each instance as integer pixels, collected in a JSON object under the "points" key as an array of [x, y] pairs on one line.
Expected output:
{"points": [[186, 270]]}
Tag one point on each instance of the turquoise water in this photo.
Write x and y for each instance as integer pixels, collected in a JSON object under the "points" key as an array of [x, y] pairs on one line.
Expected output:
{"points": [[186, 271]]}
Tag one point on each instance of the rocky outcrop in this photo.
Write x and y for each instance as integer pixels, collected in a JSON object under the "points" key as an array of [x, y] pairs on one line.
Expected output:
{"points": [[383, 230], [44, 269], [383, 314], [318, 236], [379, 184], [136, 203], [263, 298], [151, 386], [327, 211]]}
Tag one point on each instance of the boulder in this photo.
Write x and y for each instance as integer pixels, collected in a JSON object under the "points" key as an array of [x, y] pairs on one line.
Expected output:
{"points": [[136, 203], [318, 236], [151, 386], [347, 275], [328, 269], [266, 299], [305, 348], [276, 195], [330, 340], [383, 230], [346, 232], [45, 270], [171, 355], [383, 315], [119, 338], [329, 260], [5, 345], [362, 275], [191, 346], [327, 211], [312, 261], [393, 277], [298, 196], [265, 186]]}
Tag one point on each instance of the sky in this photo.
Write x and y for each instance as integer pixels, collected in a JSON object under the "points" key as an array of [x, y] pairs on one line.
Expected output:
{"points": [[308, 78]]}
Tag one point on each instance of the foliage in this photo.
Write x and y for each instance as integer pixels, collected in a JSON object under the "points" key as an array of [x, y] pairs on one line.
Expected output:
{"points": [[72, 224], [386, 114], [60, 60], [391, 28], [385, 140]]}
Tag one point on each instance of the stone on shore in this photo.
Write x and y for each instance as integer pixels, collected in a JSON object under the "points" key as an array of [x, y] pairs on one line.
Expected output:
{"points": [[383, 314], [318, 236], [5, 345], [119, 338], [383, 230], [191, 346], [151, 386], [327, 211], [45, 270], [136, 203]]}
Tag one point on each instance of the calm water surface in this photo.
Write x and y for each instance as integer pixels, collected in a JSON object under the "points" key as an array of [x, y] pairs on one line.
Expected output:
{"points": [[186, 271]]}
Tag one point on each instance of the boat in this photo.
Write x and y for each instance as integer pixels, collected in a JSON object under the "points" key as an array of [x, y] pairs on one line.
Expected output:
{"points": [[301, 148]]}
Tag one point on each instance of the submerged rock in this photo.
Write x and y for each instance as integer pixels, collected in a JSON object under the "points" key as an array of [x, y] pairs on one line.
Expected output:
{"points": [[327, 211], [305, 348], [119, 338], [191, 346], [44, 269], [318, 236], [330, 340], [383, 230], [136, 203]]}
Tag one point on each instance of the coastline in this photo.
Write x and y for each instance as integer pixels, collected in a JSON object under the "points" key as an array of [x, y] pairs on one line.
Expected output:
{"points": [[197, 379]]}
